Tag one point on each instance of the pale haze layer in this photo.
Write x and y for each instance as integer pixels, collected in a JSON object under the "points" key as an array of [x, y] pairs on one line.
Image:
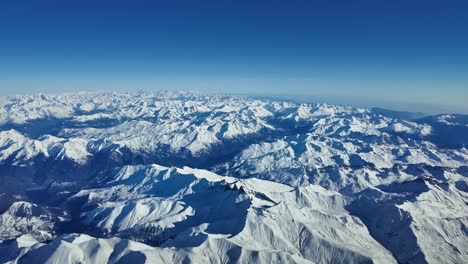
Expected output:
{"points": [[399, 55]]}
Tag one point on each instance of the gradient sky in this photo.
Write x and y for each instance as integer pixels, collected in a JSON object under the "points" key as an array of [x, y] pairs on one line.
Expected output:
{"points": [[409, 55]]}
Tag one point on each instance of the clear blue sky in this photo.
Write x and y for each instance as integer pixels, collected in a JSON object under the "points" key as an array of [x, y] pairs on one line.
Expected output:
{"points": [[407, 54]]}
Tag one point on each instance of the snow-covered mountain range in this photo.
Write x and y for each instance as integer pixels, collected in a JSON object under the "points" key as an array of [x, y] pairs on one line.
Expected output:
{"points": [[176, 177]]}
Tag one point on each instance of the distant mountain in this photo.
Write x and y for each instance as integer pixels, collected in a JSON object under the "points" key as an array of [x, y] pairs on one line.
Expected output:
{"points": [[450, 130], [185, 177], [398, 114]]}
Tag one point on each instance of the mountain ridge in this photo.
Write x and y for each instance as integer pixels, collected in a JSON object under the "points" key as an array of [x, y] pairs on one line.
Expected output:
{"points": [[189, 177]]}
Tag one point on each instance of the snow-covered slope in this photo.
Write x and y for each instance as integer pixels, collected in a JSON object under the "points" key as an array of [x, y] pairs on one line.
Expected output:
{"points": [[135, 177], [188, 208], [216, 218], [340, 162], [27, 218]]}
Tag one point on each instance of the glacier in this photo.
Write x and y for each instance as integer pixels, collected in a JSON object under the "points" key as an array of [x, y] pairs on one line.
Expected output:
{"points": [[182, 177]]}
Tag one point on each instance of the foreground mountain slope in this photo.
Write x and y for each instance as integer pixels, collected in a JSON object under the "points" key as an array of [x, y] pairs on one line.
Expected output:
{"points": [[200, 216], [214, 217]]}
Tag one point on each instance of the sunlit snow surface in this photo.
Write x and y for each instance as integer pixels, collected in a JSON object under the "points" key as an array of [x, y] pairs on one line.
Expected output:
{"points": [[184, 177]]}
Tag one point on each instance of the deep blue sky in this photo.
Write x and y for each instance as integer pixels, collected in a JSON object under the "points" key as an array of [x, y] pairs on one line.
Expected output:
{"points": [[400, 54]]}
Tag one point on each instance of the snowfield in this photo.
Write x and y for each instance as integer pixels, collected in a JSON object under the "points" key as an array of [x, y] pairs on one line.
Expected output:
{"points": [[175, 177]]}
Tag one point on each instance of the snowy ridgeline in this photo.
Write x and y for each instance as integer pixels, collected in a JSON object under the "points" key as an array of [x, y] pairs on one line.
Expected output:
{"points": [[107, 177]]}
